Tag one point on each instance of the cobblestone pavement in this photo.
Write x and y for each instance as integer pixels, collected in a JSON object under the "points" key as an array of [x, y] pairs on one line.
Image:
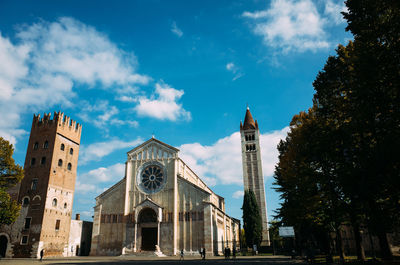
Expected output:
{"points": [[268, 260]]}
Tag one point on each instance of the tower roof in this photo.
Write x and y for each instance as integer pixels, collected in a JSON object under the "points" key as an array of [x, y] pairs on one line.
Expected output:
{"points": [[249, 121]]}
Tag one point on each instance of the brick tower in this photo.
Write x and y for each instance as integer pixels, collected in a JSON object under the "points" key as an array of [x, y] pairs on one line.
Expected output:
{"points": [[252, 168], [47, 190]]}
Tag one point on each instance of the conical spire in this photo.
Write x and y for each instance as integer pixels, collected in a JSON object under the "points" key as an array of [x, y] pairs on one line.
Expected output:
{"points": [[248, 121]]}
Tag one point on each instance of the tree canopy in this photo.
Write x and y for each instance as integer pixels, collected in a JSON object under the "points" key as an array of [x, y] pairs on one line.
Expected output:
{"points": [[10, 175]]}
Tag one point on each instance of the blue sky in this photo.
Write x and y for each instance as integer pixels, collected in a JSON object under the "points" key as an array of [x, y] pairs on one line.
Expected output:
{"points": [[180, 70]]}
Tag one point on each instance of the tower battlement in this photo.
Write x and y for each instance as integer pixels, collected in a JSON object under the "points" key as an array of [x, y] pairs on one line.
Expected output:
{"points": [[61, 123]]}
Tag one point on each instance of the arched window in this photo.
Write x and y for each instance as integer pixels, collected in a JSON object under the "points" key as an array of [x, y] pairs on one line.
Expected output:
{"points": [[65, 205], [60, 162], [46, 145], [33, 161], [54, 202], [36, 146], [71, 151], [25, 202], [43, 160], [69, 166], [62, 147]]}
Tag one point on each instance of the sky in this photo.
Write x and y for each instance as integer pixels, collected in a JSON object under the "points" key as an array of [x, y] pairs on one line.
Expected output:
{"points": [[183, 71]]}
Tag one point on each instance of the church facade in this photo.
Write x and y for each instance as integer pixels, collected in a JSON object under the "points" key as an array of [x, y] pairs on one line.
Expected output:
{"points": [[161, 205]]}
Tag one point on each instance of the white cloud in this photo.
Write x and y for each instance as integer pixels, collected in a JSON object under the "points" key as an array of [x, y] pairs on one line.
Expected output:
{"points": [[112, 174], [96, 151], [222, 162], [84, 187], [290, 26], [231, 67], [177, 31], [47, 63], [238, 194], [163, 104], [333, 9]]}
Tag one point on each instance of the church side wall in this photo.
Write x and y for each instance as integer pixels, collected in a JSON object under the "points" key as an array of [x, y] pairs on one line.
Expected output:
{"points": [[108, 234]]}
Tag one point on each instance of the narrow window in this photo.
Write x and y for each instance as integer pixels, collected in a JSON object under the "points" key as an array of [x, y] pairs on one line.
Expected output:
{"points": [[46, 145], [36, 146], [114, 218], [57, 224], [33, 161], [60, 162], [62, 147], [27, 223], [69, 166], [54, 202], [71, 151], [24, 240], [43, 160], [25, 201], [34, 184], [65, 205]]}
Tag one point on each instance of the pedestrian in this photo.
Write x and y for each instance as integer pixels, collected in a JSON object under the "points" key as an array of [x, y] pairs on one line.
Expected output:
{"points": [[204, 253], [41, 254], [229, 253], [182, 255], [234, 252]]}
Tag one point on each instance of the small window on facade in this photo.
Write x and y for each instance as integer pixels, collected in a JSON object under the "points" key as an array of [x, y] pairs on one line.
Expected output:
{"points": [[36, 146], [34, 184], [62, 147], [54, 202], [69, 166], [27, 223], [24, 240], [71, 151], [46, 145], [60, 162], [43, 160], [33, 161], [25, 201], [57, 224], [65, 205]]}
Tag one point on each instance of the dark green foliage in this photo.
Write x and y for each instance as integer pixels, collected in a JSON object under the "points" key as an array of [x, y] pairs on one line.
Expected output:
{"points": [[10, 175], [251, 219]]}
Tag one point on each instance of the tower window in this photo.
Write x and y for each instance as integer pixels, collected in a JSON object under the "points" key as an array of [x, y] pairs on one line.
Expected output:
{"points": [[27, 223], [60, 162], [71, 151], [24, 240], [36, 146], [25, 202], [54, 202], [34, 184], [43, 160], [65, 205], [46, 145], [58, 224], [62, 147], [69, 166], [33, 161]]}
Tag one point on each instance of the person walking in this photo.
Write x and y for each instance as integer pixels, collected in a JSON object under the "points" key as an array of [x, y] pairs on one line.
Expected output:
{"points": [[41, 254], [204, 253], [182, 255]]}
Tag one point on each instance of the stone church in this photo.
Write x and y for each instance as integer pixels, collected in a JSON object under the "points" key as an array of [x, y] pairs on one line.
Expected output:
{"points": [[161, 205]]}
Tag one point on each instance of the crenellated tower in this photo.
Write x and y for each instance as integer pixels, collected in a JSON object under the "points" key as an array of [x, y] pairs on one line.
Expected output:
{"points": [[252, 168], [47, 190]]}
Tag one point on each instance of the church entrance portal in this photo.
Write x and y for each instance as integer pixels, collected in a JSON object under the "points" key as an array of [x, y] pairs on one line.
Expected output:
{"points": [[149, 238], [3, 246], [149, 228]]}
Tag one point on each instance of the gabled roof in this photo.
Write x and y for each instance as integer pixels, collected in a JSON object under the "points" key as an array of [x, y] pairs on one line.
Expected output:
{"points": [[249, 122], [155, 141], [148, 201]]}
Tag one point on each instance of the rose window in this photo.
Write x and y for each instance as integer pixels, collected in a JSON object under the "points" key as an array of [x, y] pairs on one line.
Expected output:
{"points": [[151, 178]]}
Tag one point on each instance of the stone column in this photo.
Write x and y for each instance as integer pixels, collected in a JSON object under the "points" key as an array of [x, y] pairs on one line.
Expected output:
{"points": [[135, 237], [208, 228]]}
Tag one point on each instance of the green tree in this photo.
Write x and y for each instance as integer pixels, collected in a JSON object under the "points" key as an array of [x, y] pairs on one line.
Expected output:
{"points": [[252, 222], [10, 175]]}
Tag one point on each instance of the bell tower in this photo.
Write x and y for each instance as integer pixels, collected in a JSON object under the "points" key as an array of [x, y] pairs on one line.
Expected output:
{"points": [[252, 168], [47, 190]]}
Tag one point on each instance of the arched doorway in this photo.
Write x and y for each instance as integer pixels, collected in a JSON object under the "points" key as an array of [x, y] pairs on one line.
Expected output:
{"points": [[3, 246], [149, 228]]}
